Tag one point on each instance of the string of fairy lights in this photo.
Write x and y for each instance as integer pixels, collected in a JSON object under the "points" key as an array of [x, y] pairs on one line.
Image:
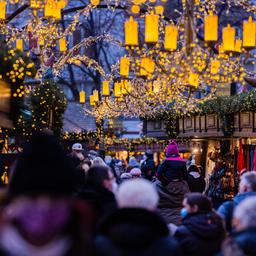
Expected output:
{"points": [[179, 63]]}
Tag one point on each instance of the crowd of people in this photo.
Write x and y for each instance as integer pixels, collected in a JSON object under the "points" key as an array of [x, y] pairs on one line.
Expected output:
{"points": [[59, 204]]}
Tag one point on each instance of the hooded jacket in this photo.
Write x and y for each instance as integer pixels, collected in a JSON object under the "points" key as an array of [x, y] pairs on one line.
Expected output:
{"points": [[226, 209], [170, 200], [200, 234], [132, 231]]}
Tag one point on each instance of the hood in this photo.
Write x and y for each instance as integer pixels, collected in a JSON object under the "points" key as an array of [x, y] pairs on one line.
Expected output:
{"points": [[126, 225], [241, 196], [38, 220], [205, 225]]}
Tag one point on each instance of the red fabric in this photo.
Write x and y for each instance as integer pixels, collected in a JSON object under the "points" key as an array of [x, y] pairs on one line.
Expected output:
{"points": [[240, 159], [254, 160]]}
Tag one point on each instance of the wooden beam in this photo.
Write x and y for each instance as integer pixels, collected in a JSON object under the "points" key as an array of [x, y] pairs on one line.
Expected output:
{"points": [[16, 13]]}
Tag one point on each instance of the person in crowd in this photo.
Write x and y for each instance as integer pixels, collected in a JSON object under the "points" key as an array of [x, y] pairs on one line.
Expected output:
{"points": [[77, 154], [99, 190], [244, 237], [125, 176], [81, 173], [92, 154], [171, 185], [196, 182], [136, 173], [202, 230], [41, 218], [134, 229], [148, 167], [98, 161], [247, 188], [133, 163]]}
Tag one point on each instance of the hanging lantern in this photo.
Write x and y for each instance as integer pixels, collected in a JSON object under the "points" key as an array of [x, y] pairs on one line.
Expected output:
{"points": [[147, 66], [156, 86], [193, 79], [228, 36], [127, 87], [52, 9], [62, 44], [2, 10], [92, 101], [19, 44], [249, 33], [135, 9], [211, 27], [95, 2], [41, 41], [82, 97], [48, 8], [131, 32], [117, 89], [215, 66], [238, 45], [171, 37], [96, 95], [124, 66], [105, 88], [151, 28]]}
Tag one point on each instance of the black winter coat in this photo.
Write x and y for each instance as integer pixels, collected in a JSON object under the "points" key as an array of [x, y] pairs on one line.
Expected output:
{"points": [[148, 169], [196, 183], [172, 169], [132, 232], [201, 234]]}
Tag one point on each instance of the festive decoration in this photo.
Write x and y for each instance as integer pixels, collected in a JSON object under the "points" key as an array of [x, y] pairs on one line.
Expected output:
{"points": [[82, 97], [131, 32], [249, 33]]}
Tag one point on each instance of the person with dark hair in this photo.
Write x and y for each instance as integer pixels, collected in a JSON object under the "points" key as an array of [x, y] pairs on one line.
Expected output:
{"points": [[41, 218], [195, 181], [148, 167], [171, 185], [202, 230], [99, 190]]}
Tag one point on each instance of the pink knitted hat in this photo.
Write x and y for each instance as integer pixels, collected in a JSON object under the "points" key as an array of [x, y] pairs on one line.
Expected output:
{"points": [[172, 149]]}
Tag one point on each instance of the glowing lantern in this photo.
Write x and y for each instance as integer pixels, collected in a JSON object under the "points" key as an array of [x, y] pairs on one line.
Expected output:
{"points": [[135, 9], [211, 27], [228, 35], [62, 45], [124, 66], [238, 45], [19, 44], [96, 95], [131, 32], [193, 79], [171, 37], [151, 28], [82, 97], [95, 2], [2, 10], [52, 9], [41, 41], [117, 89], [105, 88], [147, 66], [156, 86], [215, 66], [92, 101], [249, 33], [159, 9], [127, 87]]}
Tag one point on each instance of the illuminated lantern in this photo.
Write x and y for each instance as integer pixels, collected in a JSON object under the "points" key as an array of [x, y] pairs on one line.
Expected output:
{"points": [[41, 41], [95, 2], [238, 45], [96, 95], [249, 33], [82, 97], [171, 37], [156, 86], [49, 8], [211, 27], [228, 36], [62, 4], [2, 10], [151, 28], [193, 79], [131, 32], [62, 45], [117, 89], [92, 101], [124, 66], [159, 9], [19, 44], [215, 66], [105, 88], [147, 66], [135, 9]]}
